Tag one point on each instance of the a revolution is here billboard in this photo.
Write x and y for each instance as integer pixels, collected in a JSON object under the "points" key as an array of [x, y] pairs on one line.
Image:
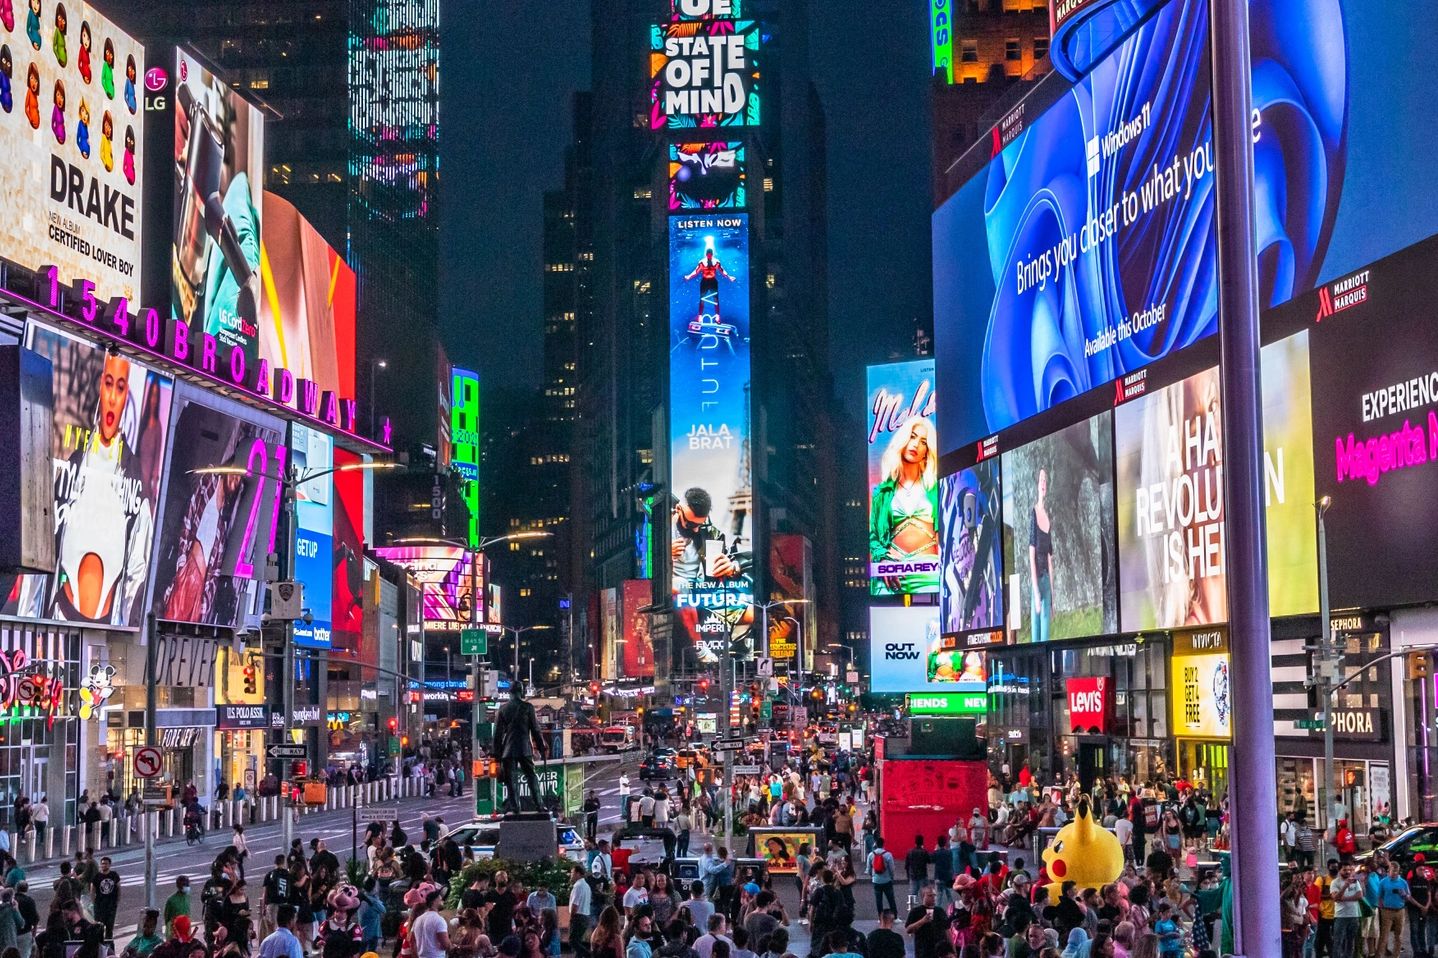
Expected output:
{"points": [[71, 125], [904, 513], [712, 535]]}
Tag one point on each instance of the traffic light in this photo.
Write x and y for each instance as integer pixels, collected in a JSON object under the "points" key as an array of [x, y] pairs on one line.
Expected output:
{"points": [[393, 724], [639, 711], [251, 688], [817, 695], [594, 689], [703, 686]]}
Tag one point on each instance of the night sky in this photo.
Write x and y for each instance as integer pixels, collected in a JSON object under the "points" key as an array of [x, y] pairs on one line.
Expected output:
{"points": [[870, 64]]}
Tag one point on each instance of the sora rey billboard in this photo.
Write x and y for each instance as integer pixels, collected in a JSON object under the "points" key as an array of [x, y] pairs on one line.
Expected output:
{"points": [[903, 480]]}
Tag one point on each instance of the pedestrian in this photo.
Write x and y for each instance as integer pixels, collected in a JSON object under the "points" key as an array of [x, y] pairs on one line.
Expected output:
{"points": [[685, 825], [283, 942], [148, 938], [1347, 892], [916, 866], [881, 870], [1420, 888], [591, 816], [1394, 895], [927, 924], [581, 899], [31, 915], [371, 916], [105, 887], [178, 904]]}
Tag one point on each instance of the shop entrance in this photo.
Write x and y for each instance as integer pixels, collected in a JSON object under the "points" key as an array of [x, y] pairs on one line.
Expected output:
{"points": [[1205, 764], [1092, 763], [36, 778]]}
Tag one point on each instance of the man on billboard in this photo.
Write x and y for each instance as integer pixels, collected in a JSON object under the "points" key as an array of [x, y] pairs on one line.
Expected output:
{"points": [[103, 515], [713, 572], [709, 270], [904, 517]]}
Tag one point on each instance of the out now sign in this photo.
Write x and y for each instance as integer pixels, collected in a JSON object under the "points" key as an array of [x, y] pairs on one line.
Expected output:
{"points": [[1090, 702]]}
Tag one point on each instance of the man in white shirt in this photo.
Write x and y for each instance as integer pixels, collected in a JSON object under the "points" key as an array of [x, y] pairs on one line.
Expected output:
{"points": [[646, 809], [581, 899], [704, 944], [430, 931], [623, 788], [602, 864], [1123, 831], [661, 809]]}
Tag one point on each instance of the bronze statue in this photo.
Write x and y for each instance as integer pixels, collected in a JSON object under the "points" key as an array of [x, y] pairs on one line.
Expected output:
{"points": [[516, 738]]}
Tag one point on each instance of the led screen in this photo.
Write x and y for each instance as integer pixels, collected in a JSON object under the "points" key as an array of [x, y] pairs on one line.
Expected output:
{"points": [[70, 132], [347, 586], [704, 74], [107, 441], [451, 583], [464, 444], [711, 500], [220, 165], [638, 657], [791, 577], [1169, 452], [900, 642], [903, 480], [683, 10], [1059, 555], [218, 528], [1343, 142], [312, 452], [609, 634], [708, 176], [307, 314], [971, 570]]}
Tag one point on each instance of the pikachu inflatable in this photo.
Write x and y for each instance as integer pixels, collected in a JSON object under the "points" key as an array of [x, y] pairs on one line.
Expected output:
{"points": [[1083, 851]]}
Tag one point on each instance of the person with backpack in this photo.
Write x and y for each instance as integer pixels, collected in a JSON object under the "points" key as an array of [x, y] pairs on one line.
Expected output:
{"points": [[881, 868], [825, 907], [275, 892]]}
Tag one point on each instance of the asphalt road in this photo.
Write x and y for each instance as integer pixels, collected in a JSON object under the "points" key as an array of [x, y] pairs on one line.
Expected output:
{"points": [[174, 858]]}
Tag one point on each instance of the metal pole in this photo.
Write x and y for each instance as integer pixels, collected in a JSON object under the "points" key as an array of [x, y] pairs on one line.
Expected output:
{"points": [[150, 734], [1253, 795], [1325, 681], [726, 696]]}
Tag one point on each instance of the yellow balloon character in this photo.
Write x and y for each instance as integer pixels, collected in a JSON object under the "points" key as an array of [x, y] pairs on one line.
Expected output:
{"points": [[1083, 851]]}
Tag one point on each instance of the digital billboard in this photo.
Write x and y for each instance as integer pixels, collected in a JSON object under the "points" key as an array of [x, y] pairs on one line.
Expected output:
{"points": [[901, 639], [704, 73], [903, 479], [220, 166], [107, 443], [686, 10], [393, 76], [1059, 556], [708, 176], [941, 38], [1342, 142], [1169, 454], [791, 576], [711, 536], [347, 586], [1374, 352], [307, 313], [217, 528], [972, 564], [312, 452], [70, 132], [638, 657], [451, 583], [609, 634], [464, 443]]}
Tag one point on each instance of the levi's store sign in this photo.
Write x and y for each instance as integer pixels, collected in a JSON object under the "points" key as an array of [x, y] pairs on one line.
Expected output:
{"points": [[1090, 699], [178, 343]]}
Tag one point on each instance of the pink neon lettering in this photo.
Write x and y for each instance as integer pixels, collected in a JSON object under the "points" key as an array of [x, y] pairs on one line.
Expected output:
{"points": [[121, 316], [153, 329], [1368, 459], [243, 566], [52, 273], [350, 409], [281, 459], [310, 403], [87, 296], [262, 378], [285, 393], [180, 342], [237, 365], [207, 355], [332, 409]]}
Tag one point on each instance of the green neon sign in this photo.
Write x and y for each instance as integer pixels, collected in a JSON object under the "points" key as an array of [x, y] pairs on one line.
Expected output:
{"points": [[947, 703], [464, 435]]}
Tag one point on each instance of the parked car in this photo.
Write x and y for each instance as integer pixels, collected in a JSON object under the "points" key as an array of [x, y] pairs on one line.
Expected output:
{"points": [[482, 836], [1414, 840]]}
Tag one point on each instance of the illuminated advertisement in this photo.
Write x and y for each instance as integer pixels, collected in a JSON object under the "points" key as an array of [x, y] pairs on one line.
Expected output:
{"points": [[686, 10], [956, 668], [903, 480], [1083, 250], [704, 73], [70, 132], [1059, 555], [451, 583], [1170, 496], [708, 176], [900, 642], [347, 583], [107, 442], [1199, 680], [941, 38], [220, 166], [393, 79], [218, 528], [791, 576], [464, 443], [638, 655], [312, 452], [972, 567], [307, 313], [711, 539], [608, 634]]}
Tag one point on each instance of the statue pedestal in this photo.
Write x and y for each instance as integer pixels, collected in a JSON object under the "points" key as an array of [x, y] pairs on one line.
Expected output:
{"points": [[527, 838]]}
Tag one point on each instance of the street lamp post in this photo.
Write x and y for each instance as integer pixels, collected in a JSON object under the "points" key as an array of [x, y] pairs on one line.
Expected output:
{"points": [[764, 608], [289, 485], [798, 652], [1327, 662]]}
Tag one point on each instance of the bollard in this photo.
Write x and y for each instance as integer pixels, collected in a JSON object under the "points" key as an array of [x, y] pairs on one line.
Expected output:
{"points": [[68, 838], [49, 843]]}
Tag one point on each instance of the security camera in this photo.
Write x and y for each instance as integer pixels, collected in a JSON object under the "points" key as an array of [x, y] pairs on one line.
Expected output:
{"points": [[308, 617]]}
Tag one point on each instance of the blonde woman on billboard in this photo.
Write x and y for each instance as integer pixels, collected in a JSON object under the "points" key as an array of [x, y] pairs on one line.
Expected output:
{"points": [[904, 519]]}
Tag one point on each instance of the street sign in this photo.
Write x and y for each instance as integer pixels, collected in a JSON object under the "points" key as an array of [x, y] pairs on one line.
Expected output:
{"points": [[379, 813], [155, 796], [149, 763], [473, 642], [286, 751], [1312, 725], [736, 745], [746, 769], [764, 667]]}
